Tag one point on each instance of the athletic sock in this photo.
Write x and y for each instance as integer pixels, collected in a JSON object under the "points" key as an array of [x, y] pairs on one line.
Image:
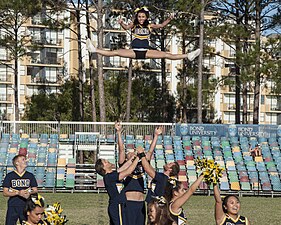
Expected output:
{"points": [[192, 55], [91, 48]]}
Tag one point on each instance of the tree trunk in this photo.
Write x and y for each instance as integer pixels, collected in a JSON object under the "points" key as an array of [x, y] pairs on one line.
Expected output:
{"points": [[184, 84], [80, 65], [245, 87], [130, 74], [91, 71], [257, 63], [99, 62], [163, 79], [245, 104], [237, 69], [200, 64], [80, 73], [16, 73], [16, 90], [237, 88], [164, 91]]}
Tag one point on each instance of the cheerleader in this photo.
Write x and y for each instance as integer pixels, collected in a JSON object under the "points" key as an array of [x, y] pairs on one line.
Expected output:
{"points": [[34, 210], [177, 195], [158, 213], [140, 49], [227, 211]]}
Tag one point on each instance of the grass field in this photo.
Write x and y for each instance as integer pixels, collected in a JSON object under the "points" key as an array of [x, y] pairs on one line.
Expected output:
{"points": [[91, 209]]}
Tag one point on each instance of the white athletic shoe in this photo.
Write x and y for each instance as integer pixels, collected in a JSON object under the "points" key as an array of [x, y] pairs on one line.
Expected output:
{"points": [[91, 48], [192, 55]]}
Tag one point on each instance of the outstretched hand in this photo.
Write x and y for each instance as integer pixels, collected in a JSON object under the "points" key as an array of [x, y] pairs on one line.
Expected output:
{"points": [[140, 149], [158, 130], [120, 21], [172, 15], [118, 126]]}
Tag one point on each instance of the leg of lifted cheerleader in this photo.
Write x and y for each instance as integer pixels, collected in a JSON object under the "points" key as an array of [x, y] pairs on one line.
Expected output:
{"points": [[126, 53], [154, 54], [150, 54]]}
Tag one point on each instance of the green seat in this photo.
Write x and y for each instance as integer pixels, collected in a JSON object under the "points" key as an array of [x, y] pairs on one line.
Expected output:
{"points": [[59, 183], [186, 143], [69, 183], [227, 154], [245, 186]]}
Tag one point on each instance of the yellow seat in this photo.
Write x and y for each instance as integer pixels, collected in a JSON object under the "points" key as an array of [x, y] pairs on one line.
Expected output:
{"points": [[235, 186], [61, 162], [24, 136], [258, 159], [182, 178]]}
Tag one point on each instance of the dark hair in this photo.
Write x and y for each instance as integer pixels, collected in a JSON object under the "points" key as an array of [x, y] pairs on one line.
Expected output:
{"points": [[33, 201], [136, 21], [225, 200], [99, 167], [175, 169], [162, 213], [171, 186], [14, 160]]}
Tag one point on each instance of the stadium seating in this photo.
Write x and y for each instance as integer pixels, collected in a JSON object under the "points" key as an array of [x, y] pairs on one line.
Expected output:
{"points": [[242, 171]]}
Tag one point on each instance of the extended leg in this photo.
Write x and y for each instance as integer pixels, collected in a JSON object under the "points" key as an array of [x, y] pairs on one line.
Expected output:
{"points": [[126, 53], [154, 54]]}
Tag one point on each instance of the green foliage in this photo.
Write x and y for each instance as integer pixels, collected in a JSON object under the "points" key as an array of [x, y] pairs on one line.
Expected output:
{"points": [[14, 14], [145, 102]]}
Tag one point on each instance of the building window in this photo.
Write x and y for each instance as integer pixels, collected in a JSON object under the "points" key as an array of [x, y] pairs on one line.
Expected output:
{"points": [[262, 99], [262, 117], [271, 118], [229, 117]]}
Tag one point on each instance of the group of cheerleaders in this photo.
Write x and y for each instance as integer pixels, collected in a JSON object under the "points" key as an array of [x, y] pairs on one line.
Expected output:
{"points": [[166, 195]]}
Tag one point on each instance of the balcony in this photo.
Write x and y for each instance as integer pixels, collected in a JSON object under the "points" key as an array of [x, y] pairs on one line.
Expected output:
{"points": [[47, 61], [46, 41], [6, 78], [269, 108], [5, 98]]}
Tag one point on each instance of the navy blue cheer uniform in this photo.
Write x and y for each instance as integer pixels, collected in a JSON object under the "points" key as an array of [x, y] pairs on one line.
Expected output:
{"points": [[179, 218], [140, 43], [241, 220], [16, 204], [135, 210], [157, 186], [117, 198], [39, 223]]}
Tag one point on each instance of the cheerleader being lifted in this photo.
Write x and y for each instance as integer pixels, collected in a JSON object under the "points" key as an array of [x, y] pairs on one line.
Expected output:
{"points": [[140, 49]]}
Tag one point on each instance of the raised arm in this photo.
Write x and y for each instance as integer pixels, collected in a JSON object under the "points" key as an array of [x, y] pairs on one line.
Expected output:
{"points": [[125, 26], [126, 164], [179, 202], [158, 131], [145, 164], [121, 150], [219, 213], [161, 25], [130, 169]]}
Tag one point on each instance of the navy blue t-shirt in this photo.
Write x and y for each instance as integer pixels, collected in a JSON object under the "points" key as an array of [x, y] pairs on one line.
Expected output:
{"points": [[157, 187], [19, 182], [114, 188], [135, 181]]}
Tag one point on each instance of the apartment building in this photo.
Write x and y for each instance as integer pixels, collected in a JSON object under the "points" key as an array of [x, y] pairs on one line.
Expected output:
{"points": [[55, 59]]}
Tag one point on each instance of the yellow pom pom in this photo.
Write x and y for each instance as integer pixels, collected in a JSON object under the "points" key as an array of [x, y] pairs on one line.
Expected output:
{"points": [[211, 171]]}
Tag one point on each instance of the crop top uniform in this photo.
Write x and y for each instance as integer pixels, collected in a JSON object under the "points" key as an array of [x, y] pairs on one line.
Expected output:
{"points": [[228, 220], [179, 218]]}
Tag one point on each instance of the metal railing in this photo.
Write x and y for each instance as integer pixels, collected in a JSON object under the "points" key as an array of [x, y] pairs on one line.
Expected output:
{"points": [[63, 127]]}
